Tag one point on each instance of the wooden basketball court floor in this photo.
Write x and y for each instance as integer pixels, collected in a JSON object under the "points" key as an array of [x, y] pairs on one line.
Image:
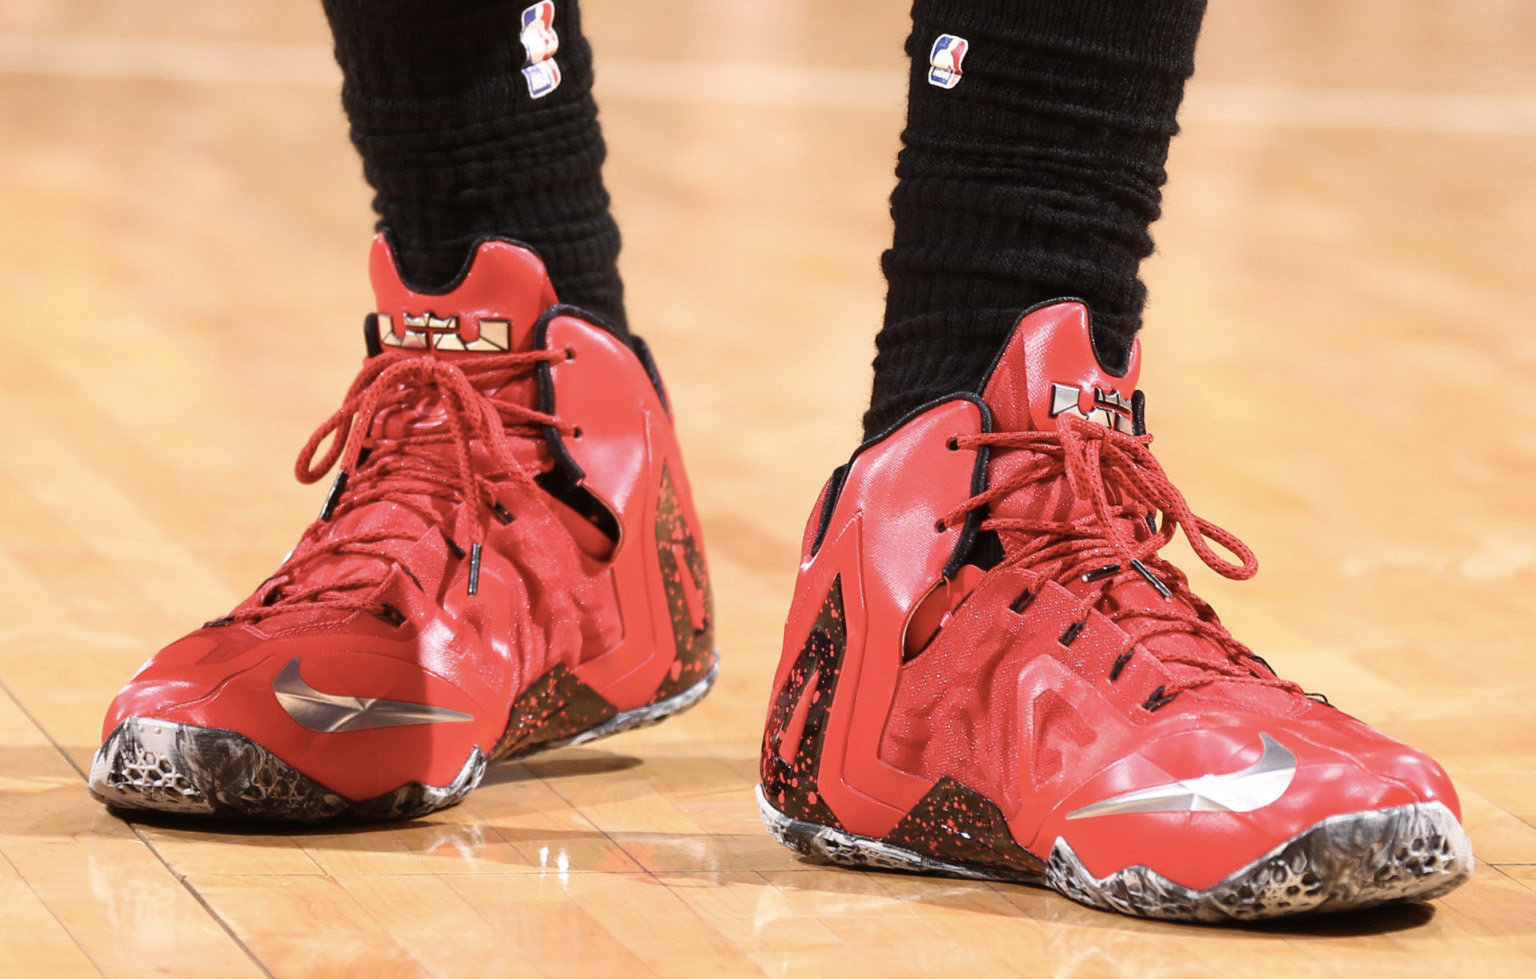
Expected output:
{"points": [[1340, 357]]}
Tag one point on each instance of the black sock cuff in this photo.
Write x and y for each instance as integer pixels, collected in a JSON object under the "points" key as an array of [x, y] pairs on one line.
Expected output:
{"points": [[422, 50], [1034, 175], [1146, 33], [457, 147]]}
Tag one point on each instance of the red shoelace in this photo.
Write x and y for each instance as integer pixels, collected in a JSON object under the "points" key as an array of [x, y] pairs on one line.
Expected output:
{"points": [[1118, 540], [407, 471]]}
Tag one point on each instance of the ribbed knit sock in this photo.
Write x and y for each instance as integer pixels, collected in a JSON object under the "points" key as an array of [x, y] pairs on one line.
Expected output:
{"points": [[456, 144], [1034, 176]]}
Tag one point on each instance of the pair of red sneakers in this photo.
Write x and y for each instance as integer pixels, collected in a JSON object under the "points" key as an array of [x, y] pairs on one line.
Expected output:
{"points": [[988, 669]]}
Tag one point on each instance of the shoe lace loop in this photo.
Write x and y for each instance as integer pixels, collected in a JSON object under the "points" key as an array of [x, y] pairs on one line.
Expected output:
{"points": [[374, 468], [1134, 510]]}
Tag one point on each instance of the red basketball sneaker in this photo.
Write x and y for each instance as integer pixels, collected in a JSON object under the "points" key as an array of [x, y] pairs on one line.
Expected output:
{"points": [[508, 561], [989, 672]]}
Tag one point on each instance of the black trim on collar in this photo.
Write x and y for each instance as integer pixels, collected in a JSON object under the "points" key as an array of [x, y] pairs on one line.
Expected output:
{"points": [[585, 315], [1138, 413], [971, 396], [970, 533], [588, 317], [371, 335], [1118, 370], [462, 273], [571, 471], [824, 521], [643, 352], [969, 530], [565, 480]]}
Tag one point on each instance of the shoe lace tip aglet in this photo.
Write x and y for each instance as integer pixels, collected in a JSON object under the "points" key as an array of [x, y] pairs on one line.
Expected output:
{"points": [[1152, 579], [474, 568], [334, 496]]}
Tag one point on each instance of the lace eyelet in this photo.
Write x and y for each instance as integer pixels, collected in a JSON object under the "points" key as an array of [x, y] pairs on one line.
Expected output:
{"points": [[1120, 664], [576, 432], [940, 526], [570, 354], [952, 443], [390, 614]]}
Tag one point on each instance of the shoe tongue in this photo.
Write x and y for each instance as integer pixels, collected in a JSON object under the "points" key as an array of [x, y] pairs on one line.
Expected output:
{"points": [[1049, 368], [491, 308]]}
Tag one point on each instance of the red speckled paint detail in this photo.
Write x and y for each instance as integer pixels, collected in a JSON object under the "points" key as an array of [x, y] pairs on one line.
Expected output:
{"points": [[689, 601], [797, 723], [960, 825], [554, 707]]}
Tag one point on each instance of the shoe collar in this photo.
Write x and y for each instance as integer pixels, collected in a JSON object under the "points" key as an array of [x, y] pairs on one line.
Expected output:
{"points": [[491, 306], [1052, 366]]}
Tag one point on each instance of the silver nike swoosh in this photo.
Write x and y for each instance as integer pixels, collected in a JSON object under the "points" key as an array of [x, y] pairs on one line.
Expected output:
{"points": [[329, 714], [1254, 787]]}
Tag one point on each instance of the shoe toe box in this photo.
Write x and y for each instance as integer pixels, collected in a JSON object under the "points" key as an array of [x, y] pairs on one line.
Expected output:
{"points": [[358, 715], [1200, 803]]}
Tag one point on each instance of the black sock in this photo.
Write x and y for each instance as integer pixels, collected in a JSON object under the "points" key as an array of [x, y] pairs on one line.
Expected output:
{"points": [[1035, 176], [456, 147]]}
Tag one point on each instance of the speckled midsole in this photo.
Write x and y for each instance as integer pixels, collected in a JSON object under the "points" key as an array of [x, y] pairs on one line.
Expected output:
{"points": [[161, 766], [1349, 861]]}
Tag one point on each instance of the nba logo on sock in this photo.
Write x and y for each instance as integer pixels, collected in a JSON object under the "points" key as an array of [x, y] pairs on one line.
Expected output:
{"points": [[944, 60], [542, 78], [541, 42]]}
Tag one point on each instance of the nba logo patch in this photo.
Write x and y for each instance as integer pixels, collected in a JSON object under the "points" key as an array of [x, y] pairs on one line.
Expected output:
{"points": [[542, 78], [540, 42], [944, 60]]}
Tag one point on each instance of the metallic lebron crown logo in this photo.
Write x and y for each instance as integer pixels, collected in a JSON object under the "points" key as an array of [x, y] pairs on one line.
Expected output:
{"points": [[438, 333], [1109, 408]]}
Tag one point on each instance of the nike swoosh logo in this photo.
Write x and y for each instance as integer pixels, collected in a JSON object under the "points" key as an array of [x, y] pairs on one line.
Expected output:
{"points": [[1254, 787], [331, 714]]}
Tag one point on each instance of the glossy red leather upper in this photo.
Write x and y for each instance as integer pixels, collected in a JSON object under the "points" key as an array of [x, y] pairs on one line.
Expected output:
{"points": [[1025, 692], [551, 587]]}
